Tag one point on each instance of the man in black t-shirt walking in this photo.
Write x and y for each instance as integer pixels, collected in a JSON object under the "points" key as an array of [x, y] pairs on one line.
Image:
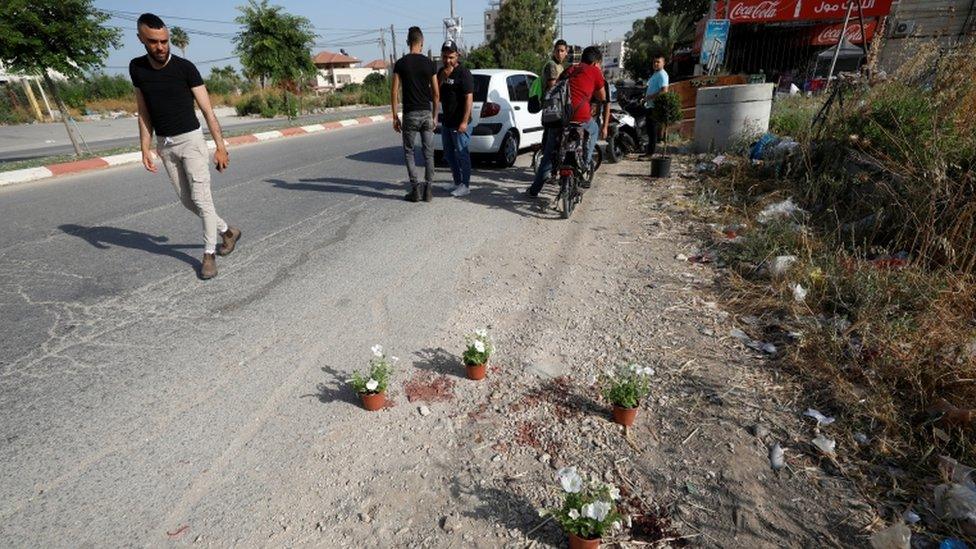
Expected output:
{"points": [[457, 98], [166, 87], [417, 76]]}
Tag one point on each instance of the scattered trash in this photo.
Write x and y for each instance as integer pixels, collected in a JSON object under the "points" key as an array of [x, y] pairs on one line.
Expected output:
{"points": [[896, 261], [799, 293], [958, 502], [681, 257], [719, 160], [821, 419], [911, 517], [944, 412], [861, 439], [705, 167], [779, 210], [707, 257], [825, 445], [896, 536], [179, 531], [759, 430], [953, 543], [781, 265], [958, 472], [759, 147], [424, 411], [753, 343], [777, 457]]}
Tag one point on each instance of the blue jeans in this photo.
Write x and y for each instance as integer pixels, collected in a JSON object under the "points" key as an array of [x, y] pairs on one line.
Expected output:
{"points": [[457, 155], [552, 136]]}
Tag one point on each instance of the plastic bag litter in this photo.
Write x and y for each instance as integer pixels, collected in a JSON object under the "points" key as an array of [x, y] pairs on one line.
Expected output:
{"points": [[825, 445], [821, 419], [956, 501], [911, 517], [799, 293], [780, 265], [777, 457], [759, 147], [753, 343], [958, 472], [953, 543], [779, 210], [896, 536]]}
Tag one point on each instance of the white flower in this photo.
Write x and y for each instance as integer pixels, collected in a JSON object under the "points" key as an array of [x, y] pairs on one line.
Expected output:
{"points": [[635, 368], [574, 514], [614, 493], [479, 346], [372, 384], [646, 371], [597, 510], [377, 350], [616, 525], [394, 359], [570, 479], [482, 333]]}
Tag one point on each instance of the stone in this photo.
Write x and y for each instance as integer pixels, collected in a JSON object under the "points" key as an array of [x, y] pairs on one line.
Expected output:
{"points": [[424, 411], [450, 524], [759, 431], [365, 518]]}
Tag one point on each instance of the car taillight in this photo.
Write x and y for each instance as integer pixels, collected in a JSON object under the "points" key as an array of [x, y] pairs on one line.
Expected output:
{"points": [[565, 172], [490, 109]]}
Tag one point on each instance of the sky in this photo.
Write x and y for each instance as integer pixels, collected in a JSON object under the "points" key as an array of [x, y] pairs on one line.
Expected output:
{"points": [[353, 25]]}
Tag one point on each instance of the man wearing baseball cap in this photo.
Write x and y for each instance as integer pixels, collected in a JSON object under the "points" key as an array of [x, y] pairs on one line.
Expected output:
{"points": [[457, 97]]}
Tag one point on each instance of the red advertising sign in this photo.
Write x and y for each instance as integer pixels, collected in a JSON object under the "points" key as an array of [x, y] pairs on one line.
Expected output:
{"points": [[770, 11], [829, 35]]}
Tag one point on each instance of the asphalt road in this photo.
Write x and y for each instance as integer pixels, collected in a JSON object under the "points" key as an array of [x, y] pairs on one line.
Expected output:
{"points": [[51, 139], [137, 398]]}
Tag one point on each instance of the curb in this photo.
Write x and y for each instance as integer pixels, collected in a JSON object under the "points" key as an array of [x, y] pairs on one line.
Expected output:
{"points": [[90, 164]]}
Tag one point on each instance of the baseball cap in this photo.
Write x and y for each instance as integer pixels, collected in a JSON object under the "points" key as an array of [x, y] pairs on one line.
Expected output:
{"points": [[450, 46]]}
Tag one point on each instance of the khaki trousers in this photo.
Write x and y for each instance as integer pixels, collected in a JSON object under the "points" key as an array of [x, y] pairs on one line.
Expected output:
{"points": [[187, 161]]}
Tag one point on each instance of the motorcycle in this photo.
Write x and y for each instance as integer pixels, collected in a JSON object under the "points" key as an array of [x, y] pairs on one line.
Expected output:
{"points": [[632, 121]]}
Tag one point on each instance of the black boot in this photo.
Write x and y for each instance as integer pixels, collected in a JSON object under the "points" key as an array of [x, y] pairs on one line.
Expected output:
{"points": [[414, 194], [428, 192]]}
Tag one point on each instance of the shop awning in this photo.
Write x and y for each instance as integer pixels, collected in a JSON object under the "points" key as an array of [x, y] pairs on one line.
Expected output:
{"points": [[780, 11]]}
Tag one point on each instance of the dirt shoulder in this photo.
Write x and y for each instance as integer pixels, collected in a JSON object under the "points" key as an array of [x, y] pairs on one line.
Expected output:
{"points": [[461, 463]]}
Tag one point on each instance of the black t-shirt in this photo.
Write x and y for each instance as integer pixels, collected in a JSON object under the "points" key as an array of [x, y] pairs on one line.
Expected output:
{"points": [[453, 90], [415, 71], [167, 93]]}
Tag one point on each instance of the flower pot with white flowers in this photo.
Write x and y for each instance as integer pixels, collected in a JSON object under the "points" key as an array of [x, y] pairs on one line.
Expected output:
{"points": [[624, 387], [371, 385], [589, 509], [476, 355]]}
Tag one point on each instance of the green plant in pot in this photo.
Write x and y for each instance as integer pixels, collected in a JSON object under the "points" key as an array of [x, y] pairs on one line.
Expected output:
{"points": [[589, 509], [624, 388], [371, 385], [476, 354], [666, 111]]}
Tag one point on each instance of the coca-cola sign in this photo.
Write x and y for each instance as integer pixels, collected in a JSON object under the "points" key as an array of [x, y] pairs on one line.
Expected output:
{"points": [[768, 11], [828, 35]]}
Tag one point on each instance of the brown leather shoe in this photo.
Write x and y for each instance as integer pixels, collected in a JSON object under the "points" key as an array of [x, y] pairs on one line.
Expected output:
{"points": [[230, 236], [208, 269]]}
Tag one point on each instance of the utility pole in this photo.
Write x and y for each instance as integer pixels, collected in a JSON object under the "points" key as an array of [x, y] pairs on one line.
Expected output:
{"points": [[452, 9], [393, 36], [562, 25], [383, 49], [592, 29]]}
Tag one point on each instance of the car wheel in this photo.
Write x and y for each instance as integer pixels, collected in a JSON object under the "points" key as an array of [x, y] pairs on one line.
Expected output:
{"points": [[508, 152]]}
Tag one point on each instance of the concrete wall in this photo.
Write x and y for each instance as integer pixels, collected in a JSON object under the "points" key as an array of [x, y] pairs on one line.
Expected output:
{"points": [[342, 76], [947, 21]]}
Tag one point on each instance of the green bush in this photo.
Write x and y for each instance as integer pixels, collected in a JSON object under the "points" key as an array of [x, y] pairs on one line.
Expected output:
{"points": [[375, 80], [793, 116], [13, 105], [75, 93]]}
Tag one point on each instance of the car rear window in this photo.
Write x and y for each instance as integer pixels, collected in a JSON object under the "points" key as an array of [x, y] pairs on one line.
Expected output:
{"points": [[481, 87]]}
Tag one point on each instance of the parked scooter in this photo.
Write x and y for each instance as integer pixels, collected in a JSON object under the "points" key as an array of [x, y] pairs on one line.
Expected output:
{"points": [[632, 121]]}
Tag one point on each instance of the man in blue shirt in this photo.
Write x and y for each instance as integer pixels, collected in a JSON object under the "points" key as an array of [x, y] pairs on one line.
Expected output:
{"points": [[656, 85]]}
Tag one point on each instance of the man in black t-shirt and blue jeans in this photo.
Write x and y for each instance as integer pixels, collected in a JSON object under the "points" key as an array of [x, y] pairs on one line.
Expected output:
{"points": [[416, 74], [457, 98], [166, 87]]}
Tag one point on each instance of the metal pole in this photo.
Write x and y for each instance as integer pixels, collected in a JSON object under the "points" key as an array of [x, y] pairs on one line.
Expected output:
{"points": [[383, 50], [393, 36], [452, 9], [864, 34], [843, 36], [44, 97]]}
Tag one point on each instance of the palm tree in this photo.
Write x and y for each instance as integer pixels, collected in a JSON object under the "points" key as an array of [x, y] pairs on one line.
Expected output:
{"points": [[658, 35], [671, 31], [180, 39]]}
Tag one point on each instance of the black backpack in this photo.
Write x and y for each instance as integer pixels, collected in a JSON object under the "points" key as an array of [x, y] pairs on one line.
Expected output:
{"points": [[557, 109]]}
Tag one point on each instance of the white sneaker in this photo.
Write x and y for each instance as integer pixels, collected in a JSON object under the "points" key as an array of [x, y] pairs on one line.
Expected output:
{"points": [[461, 191], [450, 187]]}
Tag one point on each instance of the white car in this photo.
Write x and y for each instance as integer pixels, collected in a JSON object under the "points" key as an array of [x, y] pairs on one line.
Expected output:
{"points": [[501, 123]]}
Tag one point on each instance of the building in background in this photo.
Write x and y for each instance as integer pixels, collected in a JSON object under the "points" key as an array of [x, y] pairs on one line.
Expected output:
{"points": [[491, 16], [336, 70], [913, 22], [613, 58]]}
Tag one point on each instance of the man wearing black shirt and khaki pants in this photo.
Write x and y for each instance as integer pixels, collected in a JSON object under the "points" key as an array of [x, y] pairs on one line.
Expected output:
{"points": [[416, 74], [166, 86]]}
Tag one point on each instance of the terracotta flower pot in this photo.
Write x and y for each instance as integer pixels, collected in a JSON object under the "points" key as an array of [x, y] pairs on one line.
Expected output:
{"points": [[477, 372], [624, 416], [576, 542], [373, 402]]}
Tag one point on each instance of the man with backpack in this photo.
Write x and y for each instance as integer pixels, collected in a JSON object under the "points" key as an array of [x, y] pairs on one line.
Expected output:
{"points": [[569, 102], [416, 74]]}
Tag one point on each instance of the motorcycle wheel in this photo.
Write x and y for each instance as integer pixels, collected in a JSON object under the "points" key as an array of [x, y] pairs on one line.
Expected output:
{"points": [[567, 196], [613, 150], [625, 144]]}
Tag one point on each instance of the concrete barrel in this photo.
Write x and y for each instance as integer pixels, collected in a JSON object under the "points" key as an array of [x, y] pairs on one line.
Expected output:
{"points": [[729, 115]]}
